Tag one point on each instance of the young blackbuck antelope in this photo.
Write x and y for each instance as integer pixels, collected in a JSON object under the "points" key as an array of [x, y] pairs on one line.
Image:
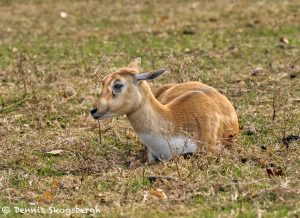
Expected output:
{"points": [[179, 119]]}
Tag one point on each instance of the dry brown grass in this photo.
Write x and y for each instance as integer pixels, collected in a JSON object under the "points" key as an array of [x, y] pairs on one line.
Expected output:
{"points": [[50, 69]]}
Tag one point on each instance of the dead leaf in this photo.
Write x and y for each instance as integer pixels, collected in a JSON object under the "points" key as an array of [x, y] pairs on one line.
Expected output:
{"points": [[54, 152], [48, 196], [256, 71], [164, 18], [158, 193], [39, 198], [18, 116], [284, 40], [55, 184], [63, 14], [14, 49]]}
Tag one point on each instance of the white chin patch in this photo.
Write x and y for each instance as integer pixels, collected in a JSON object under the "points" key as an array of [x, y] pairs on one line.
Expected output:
{"points": [[107, 115], [99, 117]]}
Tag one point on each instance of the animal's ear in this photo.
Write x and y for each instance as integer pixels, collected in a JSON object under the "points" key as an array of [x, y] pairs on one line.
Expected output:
{"points": [[135, 63], [149, 75]]}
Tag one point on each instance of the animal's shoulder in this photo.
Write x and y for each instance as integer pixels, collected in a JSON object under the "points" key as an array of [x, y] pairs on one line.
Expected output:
{"points": [[163, 89]]}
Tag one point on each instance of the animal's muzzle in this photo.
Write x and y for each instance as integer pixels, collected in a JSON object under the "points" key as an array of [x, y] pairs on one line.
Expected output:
{"points": [[93, 111]]}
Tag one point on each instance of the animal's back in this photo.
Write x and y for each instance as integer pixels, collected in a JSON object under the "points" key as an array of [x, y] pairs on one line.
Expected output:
{"points": [[201, 109]]}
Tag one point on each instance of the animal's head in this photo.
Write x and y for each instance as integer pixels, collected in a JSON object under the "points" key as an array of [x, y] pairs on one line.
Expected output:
{"points": [[121, 93]]}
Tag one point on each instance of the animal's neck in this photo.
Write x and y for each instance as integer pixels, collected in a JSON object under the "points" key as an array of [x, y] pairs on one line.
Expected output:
{"points": [[151, 117]]}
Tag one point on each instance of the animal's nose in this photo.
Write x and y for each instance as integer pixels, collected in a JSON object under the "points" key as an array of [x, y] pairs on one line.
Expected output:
{"points": [[93, 111]]}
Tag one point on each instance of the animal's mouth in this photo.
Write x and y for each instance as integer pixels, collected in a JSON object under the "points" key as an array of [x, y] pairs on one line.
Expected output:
{"points": [[98, 115]]}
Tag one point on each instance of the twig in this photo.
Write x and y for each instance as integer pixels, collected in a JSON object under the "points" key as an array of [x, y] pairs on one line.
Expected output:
{"points": [[20, 66], [99, 132], [277, 102], [82, 58], [75, 60]]}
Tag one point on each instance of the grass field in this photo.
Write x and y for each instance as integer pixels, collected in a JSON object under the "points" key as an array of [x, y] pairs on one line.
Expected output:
{"points": [[52, 57]]}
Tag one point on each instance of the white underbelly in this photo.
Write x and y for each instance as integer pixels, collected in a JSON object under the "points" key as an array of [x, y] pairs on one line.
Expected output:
{"points": [[165, 148]]}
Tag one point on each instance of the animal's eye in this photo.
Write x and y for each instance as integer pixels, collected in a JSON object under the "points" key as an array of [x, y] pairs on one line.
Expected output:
{"points": [[118, 86]]}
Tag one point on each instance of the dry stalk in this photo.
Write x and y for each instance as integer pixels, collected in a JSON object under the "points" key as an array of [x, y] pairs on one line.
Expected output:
{"points": [[82, 58], [99, 132], [21, 71], [98, 72], [75, 59], [29, 75], [277, 102]]}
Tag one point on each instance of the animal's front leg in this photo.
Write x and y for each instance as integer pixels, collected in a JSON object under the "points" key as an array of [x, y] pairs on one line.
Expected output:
{"points": [[149, 156]]}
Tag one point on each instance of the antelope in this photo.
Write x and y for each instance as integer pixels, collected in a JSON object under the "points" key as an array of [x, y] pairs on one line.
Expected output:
{"points": [[178, 119]]}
